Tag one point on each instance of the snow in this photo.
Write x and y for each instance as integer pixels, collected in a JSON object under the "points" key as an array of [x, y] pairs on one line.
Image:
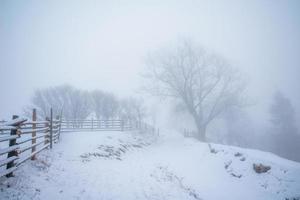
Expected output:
{"points": [[124, 165]]}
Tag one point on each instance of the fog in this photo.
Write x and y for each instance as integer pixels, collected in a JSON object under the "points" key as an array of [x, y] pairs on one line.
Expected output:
{"points": [[101, 45], [154, 63]]}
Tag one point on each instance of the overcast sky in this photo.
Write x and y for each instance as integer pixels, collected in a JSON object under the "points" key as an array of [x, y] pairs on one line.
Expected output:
{"points": [[101, 44]]}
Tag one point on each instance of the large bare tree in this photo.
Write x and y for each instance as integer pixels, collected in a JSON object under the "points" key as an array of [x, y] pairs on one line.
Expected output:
{"points": [[204, 83]]}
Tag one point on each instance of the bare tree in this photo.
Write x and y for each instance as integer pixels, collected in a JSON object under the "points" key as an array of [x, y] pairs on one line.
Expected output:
{"points": [[132, 109], [44, 99], [97, 100], [204, 83], [74, 103], [79, 104], [105, 105]]}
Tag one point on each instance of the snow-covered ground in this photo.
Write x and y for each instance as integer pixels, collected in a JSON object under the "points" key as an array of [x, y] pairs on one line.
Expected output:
{"points": [[122, 165]]}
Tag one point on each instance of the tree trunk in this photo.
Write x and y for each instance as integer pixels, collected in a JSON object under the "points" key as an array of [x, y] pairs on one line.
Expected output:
{"points": [[201, 127]]}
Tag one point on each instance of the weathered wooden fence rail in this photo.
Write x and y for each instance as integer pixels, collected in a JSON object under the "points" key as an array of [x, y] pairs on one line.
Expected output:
{"points": [[21, 139]]}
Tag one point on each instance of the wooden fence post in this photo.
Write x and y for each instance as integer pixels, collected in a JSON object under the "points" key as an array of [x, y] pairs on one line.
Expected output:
{"points": [[12, 153], [47, 124], [92, 123], [60, 119], [51, 128], [33, 141], [57, 128]]}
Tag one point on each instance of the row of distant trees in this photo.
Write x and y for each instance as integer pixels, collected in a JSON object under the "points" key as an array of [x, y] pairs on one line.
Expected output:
{"points": [[73, 103]]}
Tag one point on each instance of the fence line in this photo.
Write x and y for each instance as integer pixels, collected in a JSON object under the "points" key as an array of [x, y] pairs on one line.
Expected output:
{"points": [[25, 138], [98, 125], [106, 125]]}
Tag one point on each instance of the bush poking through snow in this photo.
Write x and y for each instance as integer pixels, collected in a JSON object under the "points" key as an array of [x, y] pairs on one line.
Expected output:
{"points": [[227, 164], [238, 154], [260, 168], [236, 175], [243, 159], [113, 152], [212, 150]]}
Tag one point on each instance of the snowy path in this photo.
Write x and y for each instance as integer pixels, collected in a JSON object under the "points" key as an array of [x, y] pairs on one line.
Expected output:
{"points": [[116, 165]]}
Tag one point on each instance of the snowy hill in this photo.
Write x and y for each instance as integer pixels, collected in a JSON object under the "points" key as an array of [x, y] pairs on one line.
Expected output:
{"points": [[120, 165]]}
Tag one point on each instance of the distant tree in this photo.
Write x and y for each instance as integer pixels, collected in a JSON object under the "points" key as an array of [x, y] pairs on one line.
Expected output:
{"points": [[79, 104], [105, 105], [65, 99], [40, 103], [111, 106], [97, 97], [44, 99], [132, 109], [286, 136], [204, 83]]}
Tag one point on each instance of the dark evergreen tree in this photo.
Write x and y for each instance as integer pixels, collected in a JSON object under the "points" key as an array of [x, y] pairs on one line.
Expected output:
{"points": [[286, 136]]}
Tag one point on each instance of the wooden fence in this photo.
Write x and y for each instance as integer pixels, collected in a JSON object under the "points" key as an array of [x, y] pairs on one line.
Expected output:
{"points": [[21, 139], [103, 125]]}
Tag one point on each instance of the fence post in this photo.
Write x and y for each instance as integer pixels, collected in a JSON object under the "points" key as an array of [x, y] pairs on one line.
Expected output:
{"points": [[47, 124], [33, 141], [60, 119], [12, 153], [51, 128], [56, 128], [92, 123]]}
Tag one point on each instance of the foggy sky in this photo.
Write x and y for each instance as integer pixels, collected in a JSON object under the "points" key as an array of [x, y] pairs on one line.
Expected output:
{"points": [[101, 44]]}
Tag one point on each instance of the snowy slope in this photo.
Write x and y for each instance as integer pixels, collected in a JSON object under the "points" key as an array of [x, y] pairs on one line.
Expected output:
{"points": [[120, 165]]}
